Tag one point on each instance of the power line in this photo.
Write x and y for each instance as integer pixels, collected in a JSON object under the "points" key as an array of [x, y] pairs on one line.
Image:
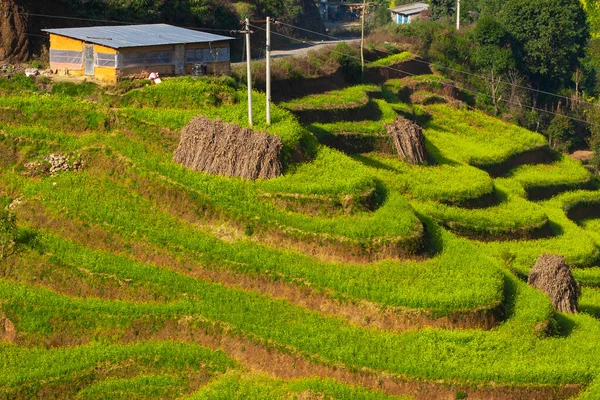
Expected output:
{"points": [[454, 69], [107, 21], [448, 84]]}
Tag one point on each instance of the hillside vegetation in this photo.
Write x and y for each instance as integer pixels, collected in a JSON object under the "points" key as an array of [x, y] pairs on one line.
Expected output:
{"points": [[354, 275]]}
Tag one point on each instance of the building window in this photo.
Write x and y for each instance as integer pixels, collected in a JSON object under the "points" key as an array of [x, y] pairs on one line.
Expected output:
{"points": [[145, 58], [106, 60], [207, 55], [66, 59]]}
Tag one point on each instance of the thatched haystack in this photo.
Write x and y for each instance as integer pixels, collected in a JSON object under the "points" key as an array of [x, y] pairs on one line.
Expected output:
{"points": [[7, 329], [217, 147], [552, 276], [408, 139]]}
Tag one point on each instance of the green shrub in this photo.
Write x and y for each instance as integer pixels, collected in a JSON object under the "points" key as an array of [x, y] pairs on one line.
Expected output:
{"points": [[349, 60]]}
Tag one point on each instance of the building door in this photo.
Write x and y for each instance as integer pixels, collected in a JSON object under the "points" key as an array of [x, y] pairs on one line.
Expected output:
{"points": [[179, 59], [88, 60]]}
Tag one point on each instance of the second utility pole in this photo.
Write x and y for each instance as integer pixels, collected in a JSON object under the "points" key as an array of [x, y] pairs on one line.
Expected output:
{"points": [[249, 70], [268, 70], [457, 15], [362, 39]]}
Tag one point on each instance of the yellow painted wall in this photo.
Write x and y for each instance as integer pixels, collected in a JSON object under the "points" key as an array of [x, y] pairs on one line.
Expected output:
{"points": [[104, 49], [106, 74], [64, 43]]}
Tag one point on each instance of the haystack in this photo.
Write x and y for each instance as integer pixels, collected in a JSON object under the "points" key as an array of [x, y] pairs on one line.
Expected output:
{"points": [[409, 140], [217, 147], [552, 276], [7, 329]]}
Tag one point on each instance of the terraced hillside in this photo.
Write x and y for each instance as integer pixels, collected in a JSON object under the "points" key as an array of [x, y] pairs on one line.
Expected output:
{"points": [[352, 276]]}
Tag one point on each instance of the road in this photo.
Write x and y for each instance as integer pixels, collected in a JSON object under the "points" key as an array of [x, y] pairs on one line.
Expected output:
{"points": [[299, 51]]}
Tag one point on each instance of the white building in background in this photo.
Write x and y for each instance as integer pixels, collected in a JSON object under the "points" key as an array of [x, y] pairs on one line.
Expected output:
{"points": [[407, 13]]}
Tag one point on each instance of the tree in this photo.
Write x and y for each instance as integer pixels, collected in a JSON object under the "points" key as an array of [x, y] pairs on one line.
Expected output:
{"points": [[593, 116], [549, 37], [441, 8], [493, 55], [592, 8], [559, 132], [8, 230]]}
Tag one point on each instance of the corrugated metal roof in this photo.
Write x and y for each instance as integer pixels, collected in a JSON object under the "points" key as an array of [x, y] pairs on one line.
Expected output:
{"points": [[408, 9], [117, 37]]}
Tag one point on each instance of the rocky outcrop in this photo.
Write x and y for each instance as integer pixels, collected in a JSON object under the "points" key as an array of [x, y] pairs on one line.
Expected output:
{"points": [[14, 41]]}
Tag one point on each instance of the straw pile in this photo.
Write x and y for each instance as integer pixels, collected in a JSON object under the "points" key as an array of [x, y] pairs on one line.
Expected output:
{"points": [[220, 148], [552, 276], [7, 329], [409, 140]]}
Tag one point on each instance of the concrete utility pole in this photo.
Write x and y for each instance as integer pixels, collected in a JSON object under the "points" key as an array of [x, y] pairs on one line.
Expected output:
{"points": [[268, 70], [249, 72], [457, 15], [362, 39]]}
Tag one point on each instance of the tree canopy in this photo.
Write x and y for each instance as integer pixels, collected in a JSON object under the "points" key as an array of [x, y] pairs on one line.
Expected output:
{"points": [[549, 37]]}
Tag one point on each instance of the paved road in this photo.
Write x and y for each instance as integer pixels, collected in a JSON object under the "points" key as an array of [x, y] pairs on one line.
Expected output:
{"points": [[309, 46], [299, 51]]}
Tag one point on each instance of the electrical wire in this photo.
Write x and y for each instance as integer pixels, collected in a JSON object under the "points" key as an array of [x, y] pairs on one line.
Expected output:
{"points": [[107, 21], [452, 69], [447, 84]]}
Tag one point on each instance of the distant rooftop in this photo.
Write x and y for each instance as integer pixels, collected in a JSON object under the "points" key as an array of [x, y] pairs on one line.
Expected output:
{"points": [[117, 37], [409, 9]]}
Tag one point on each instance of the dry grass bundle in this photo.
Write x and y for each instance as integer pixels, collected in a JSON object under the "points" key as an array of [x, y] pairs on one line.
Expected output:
{"points": [[408, 139], [7, 329], [552, 276], [217, 147]]}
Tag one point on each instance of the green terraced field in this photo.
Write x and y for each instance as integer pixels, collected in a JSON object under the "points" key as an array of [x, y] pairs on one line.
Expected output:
{"points": [[353, 275]]}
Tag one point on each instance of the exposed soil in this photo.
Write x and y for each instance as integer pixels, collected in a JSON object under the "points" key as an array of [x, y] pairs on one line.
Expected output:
{"points": [[322, 205], [14, 41], [540, 155], [484, 201], [584, 210], [582, 155], [367, 112], [541, 231], [536, 193], [399, 70], [362, 313], [356, 143], [285, 364]]}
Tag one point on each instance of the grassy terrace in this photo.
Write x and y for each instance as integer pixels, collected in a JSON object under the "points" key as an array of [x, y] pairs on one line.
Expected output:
{"points": [[136, 277], [352, 97], [391, 60], [472, 137]]}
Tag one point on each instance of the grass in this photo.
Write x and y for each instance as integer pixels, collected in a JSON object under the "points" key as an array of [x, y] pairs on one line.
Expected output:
{"points": [[115, 264], [474, 138], [513, 217], [362, 127], [25, 372], [565, 174], [237, 386], [391, 60], [351, 97], [451, 184]]}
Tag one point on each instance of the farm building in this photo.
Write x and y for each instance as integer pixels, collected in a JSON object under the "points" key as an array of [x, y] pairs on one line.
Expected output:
{"points": [[407, 13], [111, 53]]}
